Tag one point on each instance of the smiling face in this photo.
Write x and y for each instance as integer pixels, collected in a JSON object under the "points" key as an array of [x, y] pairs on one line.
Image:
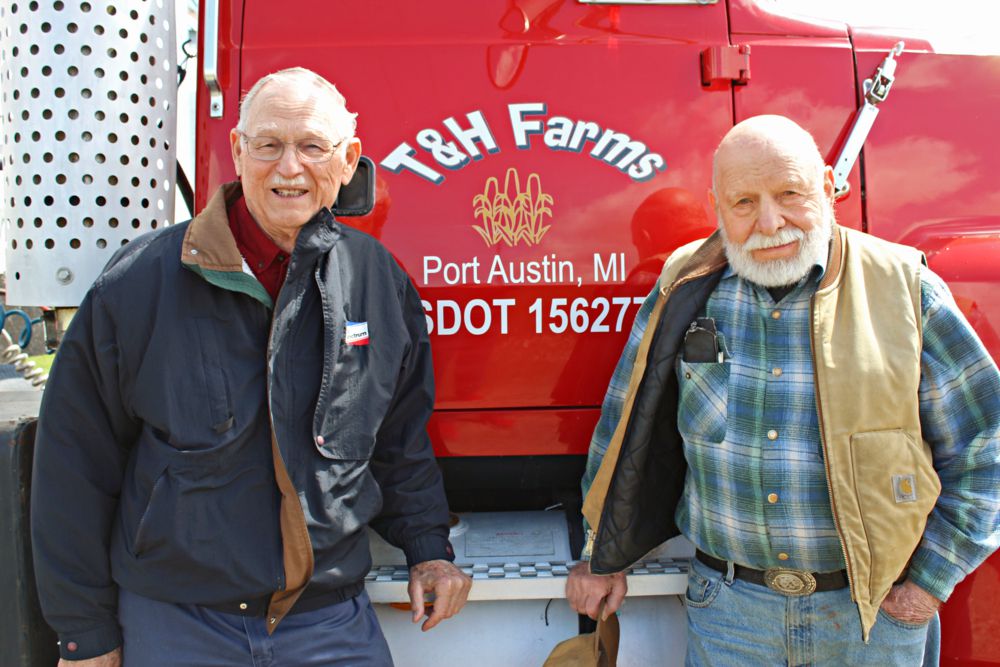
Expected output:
{"points": [[284, 194], [774, 201]]}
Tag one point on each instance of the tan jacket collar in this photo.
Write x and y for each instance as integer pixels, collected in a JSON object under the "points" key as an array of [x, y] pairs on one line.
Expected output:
{"points": [[208, 242], [835, 262], [708, 258]]}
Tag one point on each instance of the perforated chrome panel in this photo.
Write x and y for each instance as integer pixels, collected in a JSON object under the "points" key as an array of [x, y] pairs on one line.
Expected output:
{"points": [[87, 91]]}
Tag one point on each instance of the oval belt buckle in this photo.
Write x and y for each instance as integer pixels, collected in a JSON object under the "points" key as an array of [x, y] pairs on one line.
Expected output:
{"points": [[790, 582]]}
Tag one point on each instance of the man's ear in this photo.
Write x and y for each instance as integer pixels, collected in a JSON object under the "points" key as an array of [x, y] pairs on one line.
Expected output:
{"points": [[351, 157], [236, 144], [829, 186], [711, 199]]}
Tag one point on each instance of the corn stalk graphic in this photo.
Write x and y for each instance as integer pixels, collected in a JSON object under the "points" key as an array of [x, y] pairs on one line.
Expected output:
{"points": [[512, 215]]}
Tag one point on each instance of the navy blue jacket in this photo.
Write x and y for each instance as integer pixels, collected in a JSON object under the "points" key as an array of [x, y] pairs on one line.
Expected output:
{"points": [[155, 468]]}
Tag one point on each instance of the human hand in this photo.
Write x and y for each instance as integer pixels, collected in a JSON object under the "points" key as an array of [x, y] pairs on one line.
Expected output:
{"points": [[586, 591], [909, 603], [449, 586], [112, 659]]}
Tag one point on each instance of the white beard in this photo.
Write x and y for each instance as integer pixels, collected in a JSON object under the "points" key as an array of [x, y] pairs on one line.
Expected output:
{"points": [[813, 249]]}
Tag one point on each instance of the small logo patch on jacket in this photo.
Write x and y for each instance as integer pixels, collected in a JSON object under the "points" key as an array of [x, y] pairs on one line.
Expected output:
{"points": [[904, 488], [357, 333]]}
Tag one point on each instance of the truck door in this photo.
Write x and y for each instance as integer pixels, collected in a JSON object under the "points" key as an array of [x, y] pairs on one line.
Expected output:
{"points": [[538, 159]]}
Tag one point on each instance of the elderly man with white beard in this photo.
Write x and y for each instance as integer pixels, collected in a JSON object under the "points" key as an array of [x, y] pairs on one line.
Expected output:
{"points": [[808, 406]]}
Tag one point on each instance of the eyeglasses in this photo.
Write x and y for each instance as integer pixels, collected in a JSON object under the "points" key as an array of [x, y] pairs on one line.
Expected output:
{"points": [[310, 149]]}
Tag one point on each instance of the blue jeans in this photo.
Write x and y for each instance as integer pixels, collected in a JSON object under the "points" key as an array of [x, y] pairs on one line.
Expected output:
{"points": [[733, 622], [161, 634]]}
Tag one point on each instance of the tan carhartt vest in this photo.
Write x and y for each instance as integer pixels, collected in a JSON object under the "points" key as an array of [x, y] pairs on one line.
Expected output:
{"points": [[866, 342]]}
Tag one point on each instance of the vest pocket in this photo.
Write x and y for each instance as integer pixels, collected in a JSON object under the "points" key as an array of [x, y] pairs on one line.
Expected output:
{"points": [[703, 401], [896, 487]]}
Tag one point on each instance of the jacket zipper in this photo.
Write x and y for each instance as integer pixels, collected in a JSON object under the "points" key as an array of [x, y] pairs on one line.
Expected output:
{"points": [[826, 453], [282, 584]]}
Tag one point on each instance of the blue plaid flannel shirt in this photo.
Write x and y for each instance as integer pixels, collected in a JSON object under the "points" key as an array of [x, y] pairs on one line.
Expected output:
{"points": [[765, 506]]}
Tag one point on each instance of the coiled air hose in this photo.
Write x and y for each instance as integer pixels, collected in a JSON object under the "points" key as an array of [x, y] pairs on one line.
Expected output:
{"points": [[11, 353]]}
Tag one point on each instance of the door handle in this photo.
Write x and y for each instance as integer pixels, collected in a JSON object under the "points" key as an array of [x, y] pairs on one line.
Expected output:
{"points": [[210, 59]]}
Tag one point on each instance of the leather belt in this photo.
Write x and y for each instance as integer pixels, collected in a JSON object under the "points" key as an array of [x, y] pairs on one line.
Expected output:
{"points": [[259, 606], [782, 580], [253, 607]]}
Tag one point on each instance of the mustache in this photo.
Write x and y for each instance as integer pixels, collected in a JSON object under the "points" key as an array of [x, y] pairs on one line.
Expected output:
{"points": [[785, 235]]}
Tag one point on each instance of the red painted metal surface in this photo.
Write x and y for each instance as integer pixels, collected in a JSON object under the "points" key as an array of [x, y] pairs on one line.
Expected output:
{"points": [[513, 432], [213, 163], [633, 70], [751, 17]]}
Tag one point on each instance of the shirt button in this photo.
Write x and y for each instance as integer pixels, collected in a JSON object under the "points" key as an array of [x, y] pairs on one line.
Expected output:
{"points": [[776, 315], [772, 435], [260, 265], [243, 605], [687, 376], [319, 440], [776, 372], [272, 620], [782, 556], [71, 646], [772, 498]]}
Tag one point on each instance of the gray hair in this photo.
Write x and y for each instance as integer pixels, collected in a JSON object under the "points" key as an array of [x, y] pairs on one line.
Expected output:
{"points": [[302, 76]]}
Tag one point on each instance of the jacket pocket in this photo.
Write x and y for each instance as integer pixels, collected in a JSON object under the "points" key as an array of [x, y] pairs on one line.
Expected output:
{"points": [[211, 375], [142, 524], [221, 520], [896, 487], [703, 401], [358, 397]]}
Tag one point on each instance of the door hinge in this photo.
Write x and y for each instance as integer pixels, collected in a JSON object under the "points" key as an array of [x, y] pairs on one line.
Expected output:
{"points": [[726, 63]]}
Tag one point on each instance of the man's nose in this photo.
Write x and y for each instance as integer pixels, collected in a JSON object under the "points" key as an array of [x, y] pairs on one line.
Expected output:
{"points": [[769, 218], [289, 163]]}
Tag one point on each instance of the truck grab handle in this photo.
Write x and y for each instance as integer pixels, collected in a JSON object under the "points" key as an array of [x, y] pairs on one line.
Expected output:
{"points": [[876, 89], [210, 59]]}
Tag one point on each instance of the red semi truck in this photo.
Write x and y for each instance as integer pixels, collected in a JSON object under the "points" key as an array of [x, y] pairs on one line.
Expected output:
{"points": [[535, 163], [538, 159]]}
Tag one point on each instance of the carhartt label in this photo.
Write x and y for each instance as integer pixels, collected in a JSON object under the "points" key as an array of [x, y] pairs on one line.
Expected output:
{"points": [[357, 333], [904, 488]]}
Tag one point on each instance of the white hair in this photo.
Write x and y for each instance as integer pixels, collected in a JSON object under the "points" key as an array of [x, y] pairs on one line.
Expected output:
{"points": [[814, 247], [302, 76]]}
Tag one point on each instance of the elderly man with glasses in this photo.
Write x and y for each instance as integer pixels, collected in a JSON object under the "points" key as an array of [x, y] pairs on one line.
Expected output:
{"points": [[237, 399]]}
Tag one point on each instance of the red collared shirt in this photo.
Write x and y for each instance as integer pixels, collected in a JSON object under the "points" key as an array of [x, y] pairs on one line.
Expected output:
{"points": [[268, 262]]}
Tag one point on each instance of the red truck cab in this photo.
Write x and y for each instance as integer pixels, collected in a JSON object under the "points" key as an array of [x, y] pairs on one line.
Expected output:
{"points": [[538, 160]]}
